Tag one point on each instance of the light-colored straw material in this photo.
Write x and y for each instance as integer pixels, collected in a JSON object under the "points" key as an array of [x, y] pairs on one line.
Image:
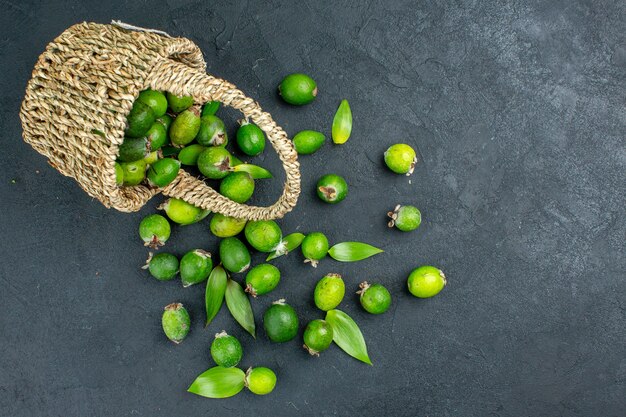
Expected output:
{"points": [[82, 89]]}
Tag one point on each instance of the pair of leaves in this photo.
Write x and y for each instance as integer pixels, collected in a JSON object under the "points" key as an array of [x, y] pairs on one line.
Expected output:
{"points": [[289, 243], [352, 251], [218, 382], [347, 335], [218, 287], [256, 172]]}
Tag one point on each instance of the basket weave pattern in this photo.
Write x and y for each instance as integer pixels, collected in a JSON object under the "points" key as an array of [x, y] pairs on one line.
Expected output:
{"points": [[83, 87]]}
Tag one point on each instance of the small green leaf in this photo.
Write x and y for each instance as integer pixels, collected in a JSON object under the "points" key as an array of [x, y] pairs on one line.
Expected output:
{"points": [[342, 123], [214, 296], [210, 108], [352, 251], [290, 242], [347, 335], [239, 306], [169, 151], [256, 172], [218, 382]]}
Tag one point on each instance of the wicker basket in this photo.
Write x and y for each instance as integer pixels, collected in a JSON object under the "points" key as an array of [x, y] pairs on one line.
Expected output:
{"points": [[83, 87]]}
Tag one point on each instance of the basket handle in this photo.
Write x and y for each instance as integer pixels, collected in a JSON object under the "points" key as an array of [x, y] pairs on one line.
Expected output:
{"points": [[181, 79]]}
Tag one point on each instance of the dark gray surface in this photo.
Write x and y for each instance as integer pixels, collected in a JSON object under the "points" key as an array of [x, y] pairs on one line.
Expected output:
{"points": [[517, 110]]}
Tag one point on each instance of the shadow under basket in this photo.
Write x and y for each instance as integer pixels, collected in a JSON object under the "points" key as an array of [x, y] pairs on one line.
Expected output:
{"points": [[83, 87]]}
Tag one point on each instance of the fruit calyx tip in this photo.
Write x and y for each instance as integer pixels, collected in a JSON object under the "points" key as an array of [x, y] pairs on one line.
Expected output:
{"points": [[280, 301], [221, 334], [250, 290], [313, 262], [147, 264], [312, 352], [363, 287], [173, 306]]}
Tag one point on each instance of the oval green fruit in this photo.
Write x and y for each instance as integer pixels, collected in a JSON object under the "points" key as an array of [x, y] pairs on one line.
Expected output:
{"points": [[179, 103], [156, 100], [250, 138], [175, 322], [212, 131], [308, 141], [119, 174], [185, 127], [374, 298], [260, 380], [426, 281], [401, 158], [264, 235], [280, 322], [314, 248], [318, 335], [234, 255], [405, 218], [332, 188], [166, 120], [152, 157], [329, 292], [226, 226], [157, 136], [226, 350], [238, 186], [214, 162], [181, 212], [298, 89], [133, 149], [154, 230], [190, 153], [139, 120], [262, 279], [134, 172], [195, 267], [163, 172], [162, 266]]}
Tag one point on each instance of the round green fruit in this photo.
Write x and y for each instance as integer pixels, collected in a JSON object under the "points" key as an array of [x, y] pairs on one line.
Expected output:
{"points": [[195, 267], [139, 120], [162, 266], [332, 188], [214, 162], [234, 255], [260, 380], [250, 138], [181, 212], [401, 158], [405, 218], [280, 322], [374, 298], [212, 131], [329, 292], [314, 248], [262, 279], [426, 281], [226, 350], [157, 136], [154, 230], [264, 235], [134, 172], [179, 103], [298, 89], [226, 226], [238, 186], [133, 149], [308, 141], [151, 158], [163, 172], [190, 153], [185, 127], [166, 120], [156, 100], [175, 322], [318, 335]]}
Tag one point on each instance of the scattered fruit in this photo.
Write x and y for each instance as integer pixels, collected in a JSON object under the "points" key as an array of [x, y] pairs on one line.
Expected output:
{"points": [[405, 218], [264, 235], [307, 142], [134, 172], [156, 100], [162, 266], [332, 188], [374, 298], [154, 230], [175, 322], [314, 248], [179, 103], [163, 172], [181, 212], [214, 162], [234, 255], [426, 281], [238, 186], [280, 322], [260, 380], [318, 336], [190, 153], [133, 149], [139, 120], [262, 279], [298, 89], [401, 158], [195, 267], [185, 127], [226, 350], [212, 131], [250, 138], [329, 292], [226, 226]]}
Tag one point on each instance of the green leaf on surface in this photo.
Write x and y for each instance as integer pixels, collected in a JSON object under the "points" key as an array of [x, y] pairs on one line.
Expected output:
{"points": [[352, 251], [239, 306], [256, 172], [214, 295], [211, 108], [218, 382], [347, 335], [342, 123], [290, 243]]}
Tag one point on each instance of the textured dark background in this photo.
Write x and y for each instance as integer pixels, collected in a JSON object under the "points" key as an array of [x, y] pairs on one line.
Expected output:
{"points": [[517, 109]]}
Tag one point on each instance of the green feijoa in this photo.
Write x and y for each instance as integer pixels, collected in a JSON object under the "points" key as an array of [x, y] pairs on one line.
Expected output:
{"points": [[262, 279], [260, 380], [405, 218], [226, 350], [318, 335], [190, 153], [181, 212], [162, 266], [179, 103], [426, 281], [133, 149], [264, 235], [157, 136], [166, 120], [250, 138], [154, 230], [401, 158], [238, 186], [212, 131], [119, 174], [374, 298], [195, 267], [139, 120], [308, 141], [175, 322], [226, 226], [163, 172], [234, 255], [329, 292], [152, 157], [314, 248], [214, 162], [185, 127], [134, 172], [298, 89], [156, 100], [332, 188], [210, 108], [280, 322]]}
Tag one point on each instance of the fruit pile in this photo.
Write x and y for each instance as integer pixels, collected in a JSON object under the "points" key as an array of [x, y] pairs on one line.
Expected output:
{"points": [[159, 141]]}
